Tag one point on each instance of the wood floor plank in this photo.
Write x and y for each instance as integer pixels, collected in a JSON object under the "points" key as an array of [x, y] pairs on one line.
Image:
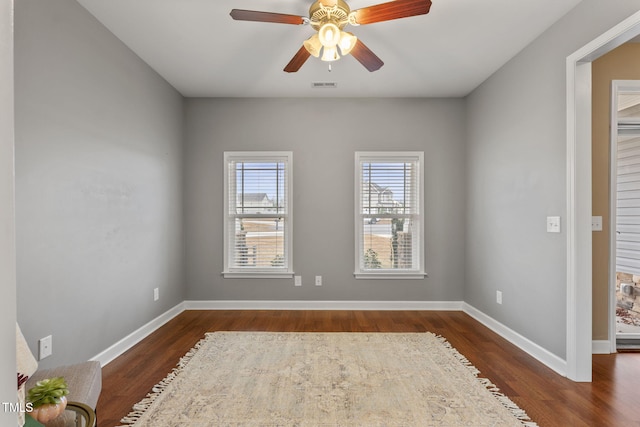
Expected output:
{"points": [[550, 399]]}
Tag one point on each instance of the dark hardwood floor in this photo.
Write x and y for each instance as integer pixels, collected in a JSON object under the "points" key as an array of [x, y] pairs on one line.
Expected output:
{"points": [[612, 399]]}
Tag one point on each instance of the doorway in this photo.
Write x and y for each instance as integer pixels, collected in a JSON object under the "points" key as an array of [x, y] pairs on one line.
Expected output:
{"points": [[579, 208], [625, 213]]}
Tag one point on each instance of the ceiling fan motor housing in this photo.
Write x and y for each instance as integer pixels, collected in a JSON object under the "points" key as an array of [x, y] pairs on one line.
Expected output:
{"points": [[324, 11]]}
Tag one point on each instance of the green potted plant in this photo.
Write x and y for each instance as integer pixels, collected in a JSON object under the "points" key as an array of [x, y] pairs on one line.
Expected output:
{"points": [[48, 399]]}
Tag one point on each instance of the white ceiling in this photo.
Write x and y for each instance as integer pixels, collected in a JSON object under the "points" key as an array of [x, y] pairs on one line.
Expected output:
{"points": [[200, 50]]}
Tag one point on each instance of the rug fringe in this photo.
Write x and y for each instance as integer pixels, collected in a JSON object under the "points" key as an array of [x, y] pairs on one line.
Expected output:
{"points": [[141, 407], [517, 412]]}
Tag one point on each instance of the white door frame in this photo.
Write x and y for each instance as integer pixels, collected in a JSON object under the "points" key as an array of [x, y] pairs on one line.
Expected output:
{"points": [[579, 253]]}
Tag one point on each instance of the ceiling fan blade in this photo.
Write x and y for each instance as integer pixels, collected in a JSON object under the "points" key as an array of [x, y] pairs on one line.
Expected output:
{"points": [[392, 10], [366, 57], [298, 60], [254, 15]]}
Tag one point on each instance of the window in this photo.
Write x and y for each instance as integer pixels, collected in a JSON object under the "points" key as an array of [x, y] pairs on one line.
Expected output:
{"points": [[389, 215], [257, 234]]}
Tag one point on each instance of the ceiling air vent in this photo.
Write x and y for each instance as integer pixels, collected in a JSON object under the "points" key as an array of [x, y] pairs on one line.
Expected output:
{"points": [[320, 85]]}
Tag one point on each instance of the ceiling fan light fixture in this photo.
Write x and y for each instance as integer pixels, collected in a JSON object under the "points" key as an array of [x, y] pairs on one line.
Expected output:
{"points": [[347, 42], [329, 34], [313, 45], [330, 54]]}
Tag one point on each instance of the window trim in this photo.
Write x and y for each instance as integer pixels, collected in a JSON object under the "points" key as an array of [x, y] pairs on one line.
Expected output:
{"points": [[393, 156], [259, 273]]}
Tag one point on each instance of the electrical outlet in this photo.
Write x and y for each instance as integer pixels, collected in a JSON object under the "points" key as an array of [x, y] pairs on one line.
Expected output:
{"points": [[297, 280], [499, 297], [45, 347], [553, 224], [318, 280], [156, 294]]}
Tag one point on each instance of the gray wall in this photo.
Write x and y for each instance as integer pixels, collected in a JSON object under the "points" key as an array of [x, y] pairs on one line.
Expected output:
{"points": [[7, 224], [324, 135], [98, 183], [516, 162]]}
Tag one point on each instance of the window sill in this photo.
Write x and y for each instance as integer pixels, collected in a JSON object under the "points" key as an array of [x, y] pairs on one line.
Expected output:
{"points": [[394, 276], [257, 275]]}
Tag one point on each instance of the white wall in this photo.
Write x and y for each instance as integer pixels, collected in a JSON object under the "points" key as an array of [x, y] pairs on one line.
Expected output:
{"points": [[324, 135], [7, 225], [98, 183], [516, 161]]}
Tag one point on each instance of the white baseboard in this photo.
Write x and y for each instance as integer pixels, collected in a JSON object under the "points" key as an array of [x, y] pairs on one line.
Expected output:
{"points": [[541, 354], [533, 349], [324, 305], [136, 336], [601, 347]]}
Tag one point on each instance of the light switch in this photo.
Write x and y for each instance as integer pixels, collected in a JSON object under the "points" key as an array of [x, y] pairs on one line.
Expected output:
{"points": [[596, 223], [45, 347], [553, 224]]}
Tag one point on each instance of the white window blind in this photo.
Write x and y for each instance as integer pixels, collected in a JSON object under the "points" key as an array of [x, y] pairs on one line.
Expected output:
{"points": [[258, 214], [389, 215]]}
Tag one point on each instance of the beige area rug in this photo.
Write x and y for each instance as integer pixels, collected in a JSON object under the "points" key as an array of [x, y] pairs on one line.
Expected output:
{"points": [[325, 379]]}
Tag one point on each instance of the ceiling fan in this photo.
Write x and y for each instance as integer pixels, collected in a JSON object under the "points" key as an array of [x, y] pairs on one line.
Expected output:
{"points": [[328, 18]]}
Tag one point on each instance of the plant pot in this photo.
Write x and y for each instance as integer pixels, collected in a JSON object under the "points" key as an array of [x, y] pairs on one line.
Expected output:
{"points": [[45, 413]]}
